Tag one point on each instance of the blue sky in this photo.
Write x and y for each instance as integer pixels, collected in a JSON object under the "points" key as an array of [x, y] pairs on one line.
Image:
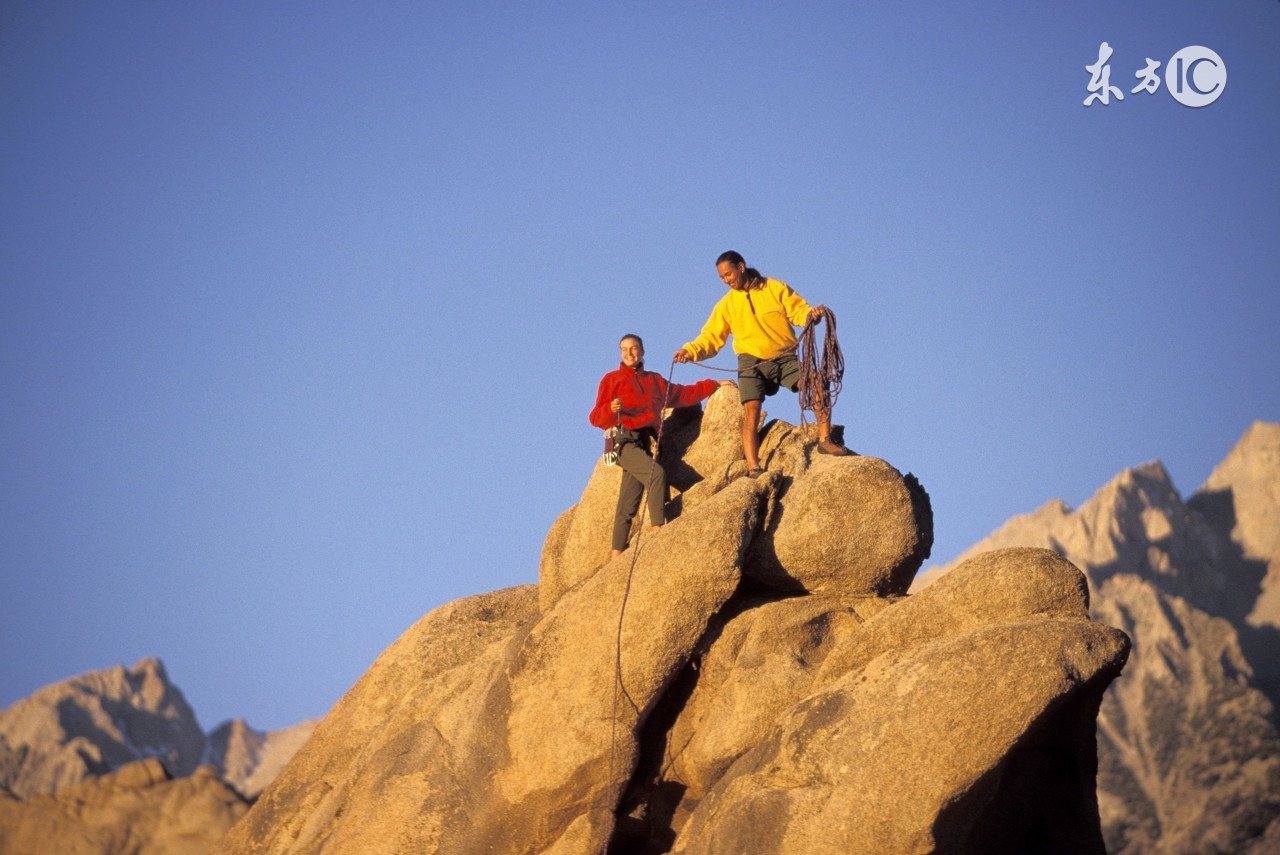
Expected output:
{"points": [[303, 305]]}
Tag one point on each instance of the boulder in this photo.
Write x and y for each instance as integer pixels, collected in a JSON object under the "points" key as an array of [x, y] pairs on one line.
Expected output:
{"points": [[570, 678], [749, 678], [981, 742], [1189, 751], [579, 541], [1000, 586], [850, 526], [714, 454], [698, 451], [757, 665]]}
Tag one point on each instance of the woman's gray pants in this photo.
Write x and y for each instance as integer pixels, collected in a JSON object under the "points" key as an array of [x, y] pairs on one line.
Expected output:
{"points": [[637, 469]]}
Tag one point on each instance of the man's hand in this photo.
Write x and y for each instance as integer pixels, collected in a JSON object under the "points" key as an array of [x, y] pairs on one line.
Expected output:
{"points": [[616, 405], [724, 383], [682, 355]]}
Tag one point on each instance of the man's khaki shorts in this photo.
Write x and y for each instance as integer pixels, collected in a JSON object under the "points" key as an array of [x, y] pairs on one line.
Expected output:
{"points": [[758, 378]]}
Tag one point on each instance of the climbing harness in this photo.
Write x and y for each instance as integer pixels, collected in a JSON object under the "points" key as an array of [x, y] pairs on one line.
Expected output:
{"points": [[611, 443]]}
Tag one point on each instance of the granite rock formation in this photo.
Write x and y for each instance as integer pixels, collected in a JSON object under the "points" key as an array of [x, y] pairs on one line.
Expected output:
{"points": [[752, 677]]}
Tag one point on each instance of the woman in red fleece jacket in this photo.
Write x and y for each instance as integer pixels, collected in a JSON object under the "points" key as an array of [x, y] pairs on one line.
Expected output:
{"points": [[632, 400]]}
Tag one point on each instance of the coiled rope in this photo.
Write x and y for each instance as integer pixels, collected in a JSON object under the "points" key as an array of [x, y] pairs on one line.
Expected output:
{"points": [[821, 377]]}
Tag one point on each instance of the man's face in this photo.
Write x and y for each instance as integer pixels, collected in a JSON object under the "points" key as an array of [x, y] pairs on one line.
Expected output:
{"points": [[632, 352], [731, 274]]}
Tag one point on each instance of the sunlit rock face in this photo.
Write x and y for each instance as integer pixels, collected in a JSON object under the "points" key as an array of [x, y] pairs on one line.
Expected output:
{"points": [[752, 677]]}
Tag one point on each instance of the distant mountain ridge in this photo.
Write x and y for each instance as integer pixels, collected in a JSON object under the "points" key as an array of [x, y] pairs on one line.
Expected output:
{"points": [[98, 722], [1188, 744], [115, 761]]}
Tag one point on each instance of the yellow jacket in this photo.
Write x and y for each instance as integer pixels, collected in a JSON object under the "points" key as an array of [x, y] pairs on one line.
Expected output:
{"points": [[760, 320]]}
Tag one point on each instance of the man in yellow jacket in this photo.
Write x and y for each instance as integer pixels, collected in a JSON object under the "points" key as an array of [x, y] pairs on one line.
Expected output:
{"points": [[759, 313]]}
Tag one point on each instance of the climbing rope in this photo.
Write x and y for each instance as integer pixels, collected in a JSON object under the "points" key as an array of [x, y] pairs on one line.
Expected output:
{"points": [[821, 377], [626, 590]]}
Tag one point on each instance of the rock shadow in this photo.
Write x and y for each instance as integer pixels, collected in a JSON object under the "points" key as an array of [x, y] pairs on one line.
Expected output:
{"points": [[647, 812], [1041, 798], [1259, 644]]}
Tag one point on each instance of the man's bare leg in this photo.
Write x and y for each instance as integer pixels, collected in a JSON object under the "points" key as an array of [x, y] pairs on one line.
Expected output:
{"points": [[751, 433]]}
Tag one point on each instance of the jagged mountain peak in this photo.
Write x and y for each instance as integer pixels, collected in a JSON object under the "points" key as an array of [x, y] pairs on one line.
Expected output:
{"points": [[95, 723], [146, 685], [1252, 466], [116, 756], [249, 759], [1241, 500]]}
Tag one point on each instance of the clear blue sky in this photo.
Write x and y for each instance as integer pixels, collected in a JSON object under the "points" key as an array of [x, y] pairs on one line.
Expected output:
{"points": [[303, 305]]}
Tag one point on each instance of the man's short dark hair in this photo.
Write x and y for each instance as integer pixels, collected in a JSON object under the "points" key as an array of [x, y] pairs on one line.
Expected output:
{"points": [[632, 335]]}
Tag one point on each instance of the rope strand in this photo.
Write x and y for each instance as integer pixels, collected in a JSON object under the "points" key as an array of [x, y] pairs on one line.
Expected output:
{"points": [[626, 590]]}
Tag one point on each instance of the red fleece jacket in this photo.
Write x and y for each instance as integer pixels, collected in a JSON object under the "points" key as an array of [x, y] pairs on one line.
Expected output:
{"points": [[644, 396]]}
